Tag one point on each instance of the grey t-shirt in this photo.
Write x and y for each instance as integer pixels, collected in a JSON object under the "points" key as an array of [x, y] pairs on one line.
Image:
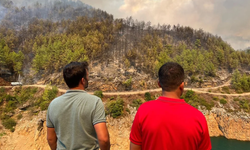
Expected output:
{"points": [[73, 115]]}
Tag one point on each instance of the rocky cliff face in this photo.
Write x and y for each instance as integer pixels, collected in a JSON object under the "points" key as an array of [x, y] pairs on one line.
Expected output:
{"points": [[232, 126], [31, 134]]}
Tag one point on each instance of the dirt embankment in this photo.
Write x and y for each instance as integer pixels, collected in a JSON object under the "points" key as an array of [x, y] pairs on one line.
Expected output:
{"points": [[3, 82]]}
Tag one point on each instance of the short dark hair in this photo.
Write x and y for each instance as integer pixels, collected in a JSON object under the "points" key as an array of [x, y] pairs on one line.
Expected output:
{"points": [[171, 75], [74, 72]]}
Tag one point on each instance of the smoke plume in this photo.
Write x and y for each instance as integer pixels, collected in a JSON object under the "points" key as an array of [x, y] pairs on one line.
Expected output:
{"points": [[226, 18]]}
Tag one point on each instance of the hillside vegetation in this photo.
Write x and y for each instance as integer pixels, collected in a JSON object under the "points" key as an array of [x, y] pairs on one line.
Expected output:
{"points": [[19, 101], [13, 102], [44, 36]]}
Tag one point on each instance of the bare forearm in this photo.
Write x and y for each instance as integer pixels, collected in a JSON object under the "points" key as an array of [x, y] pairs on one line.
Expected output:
{"points": [[104, 145], [52, 145], [102, 135], [134, 146], [51, 138]]}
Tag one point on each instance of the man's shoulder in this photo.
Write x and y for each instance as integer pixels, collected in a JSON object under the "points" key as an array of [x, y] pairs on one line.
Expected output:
{"points": [[80, 93], [57, 99], [89, 96], [68, 95], [194, 112], [193, 109], [148, 105]]}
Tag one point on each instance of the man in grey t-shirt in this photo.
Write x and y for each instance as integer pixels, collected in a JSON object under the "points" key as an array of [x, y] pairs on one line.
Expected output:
{"points": [[76, 120]]}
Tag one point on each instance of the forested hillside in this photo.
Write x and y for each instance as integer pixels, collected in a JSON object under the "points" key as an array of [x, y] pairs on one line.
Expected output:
{"points": [[42, 37]]}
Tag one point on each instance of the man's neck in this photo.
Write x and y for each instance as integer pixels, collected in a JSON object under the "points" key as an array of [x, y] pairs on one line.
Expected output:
{"points": [[78, 88], [171, 95]]}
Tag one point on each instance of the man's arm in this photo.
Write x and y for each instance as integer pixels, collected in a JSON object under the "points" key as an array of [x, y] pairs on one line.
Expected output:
{"points": [[102, 135], [51, 137], [205, 143], [134, 146]]}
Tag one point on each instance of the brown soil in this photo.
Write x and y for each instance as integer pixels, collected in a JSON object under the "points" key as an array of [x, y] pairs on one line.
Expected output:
{"points": [[3, 82]]}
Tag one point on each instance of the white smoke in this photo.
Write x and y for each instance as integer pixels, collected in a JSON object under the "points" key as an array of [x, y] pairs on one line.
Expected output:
{"points": [[226, 18], [111, 6], [3, 12]]}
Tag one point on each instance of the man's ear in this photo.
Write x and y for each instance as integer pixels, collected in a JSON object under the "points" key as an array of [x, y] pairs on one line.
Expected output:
{"points": [[181, 87], [82, 81], [159, 84]]}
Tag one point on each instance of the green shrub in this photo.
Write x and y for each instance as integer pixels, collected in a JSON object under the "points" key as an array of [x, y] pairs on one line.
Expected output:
{"points": [[11, 103], [240, 82], [189, 94], [156, 96], [147, 96], [223, 101], [136, 103], [127, 110], [128, 83], [1, 99], [2, 134], [19, 116], [226, 89], [193, 79], [10, 98], [44, 105], [239, 91], [98, 93], [194, 100], [115, 108], [230, 110], [48, 95], [4, 116], [208, 106], [236, 99], [244, 104], [21, 95], [9, 124], [2, 90], [215, 98], [26, 94], [17, 90]]}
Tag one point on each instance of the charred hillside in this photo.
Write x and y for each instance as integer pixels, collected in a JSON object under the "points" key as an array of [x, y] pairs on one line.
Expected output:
{"points": [[37, 39]]}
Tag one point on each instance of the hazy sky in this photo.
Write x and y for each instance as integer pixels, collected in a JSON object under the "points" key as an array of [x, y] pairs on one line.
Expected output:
{"points": [[229, 19]]}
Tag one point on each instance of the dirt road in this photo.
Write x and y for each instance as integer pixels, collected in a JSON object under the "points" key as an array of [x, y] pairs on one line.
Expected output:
{"points": [[197, 90]]}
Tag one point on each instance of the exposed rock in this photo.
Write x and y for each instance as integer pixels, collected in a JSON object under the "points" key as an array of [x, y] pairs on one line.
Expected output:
{"points": [[223, 74], [232, 126], [25, 137], [10, 114], [25, 106], [213, 126], [40, 124], [36, 110]]}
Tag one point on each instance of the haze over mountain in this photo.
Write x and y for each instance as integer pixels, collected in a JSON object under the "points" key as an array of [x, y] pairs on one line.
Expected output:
{"points": [[226, 18]]}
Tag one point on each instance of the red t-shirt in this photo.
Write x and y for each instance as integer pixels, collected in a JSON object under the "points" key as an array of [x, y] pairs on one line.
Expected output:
{"points": [[170, 124]]}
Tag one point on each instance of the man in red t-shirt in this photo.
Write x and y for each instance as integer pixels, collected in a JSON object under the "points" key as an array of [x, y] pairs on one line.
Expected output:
{"points": [[169, 123]]}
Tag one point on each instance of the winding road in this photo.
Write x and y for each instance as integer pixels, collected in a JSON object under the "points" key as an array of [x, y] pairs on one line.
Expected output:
{"points": [[197, 90]]}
